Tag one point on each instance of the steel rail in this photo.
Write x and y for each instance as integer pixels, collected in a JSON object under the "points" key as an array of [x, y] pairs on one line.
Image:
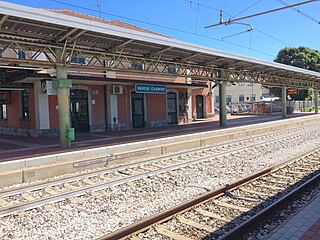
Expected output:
{"points": [[39, 186], [166, 215], [100, 186], [254, 221]]}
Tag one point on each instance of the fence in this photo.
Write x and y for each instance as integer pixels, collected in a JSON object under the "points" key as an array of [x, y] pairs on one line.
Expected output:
{"points": [[260, 108], [299, 105]]}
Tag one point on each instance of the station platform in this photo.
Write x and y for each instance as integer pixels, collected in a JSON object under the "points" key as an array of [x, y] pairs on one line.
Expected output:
{"points": [[303, 226], [17, 147]]}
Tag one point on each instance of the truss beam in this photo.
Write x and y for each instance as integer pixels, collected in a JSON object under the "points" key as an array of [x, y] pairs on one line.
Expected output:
{"points": [[43, 55]]}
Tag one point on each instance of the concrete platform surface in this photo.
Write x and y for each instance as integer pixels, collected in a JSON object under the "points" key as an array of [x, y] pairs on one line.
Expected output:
{"points": [[17, 147], [303, 226]]}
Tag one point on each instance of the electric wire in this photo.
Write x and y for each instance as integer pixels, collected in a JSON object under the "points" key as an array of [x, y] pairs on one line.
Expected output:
{"points": [[299, 11], [246, 9], [255, 28], [163, 27]]}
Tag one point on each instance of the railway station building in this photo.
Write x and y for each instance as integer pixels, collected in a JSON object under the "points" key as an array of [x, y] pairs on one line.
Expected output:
{"points": [[62, 71]]}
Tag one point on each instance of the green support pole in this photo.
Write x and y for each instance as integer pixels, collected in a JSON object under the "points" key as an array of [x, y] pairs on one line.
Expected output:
{"points": [[316, 100], [223, 101], [284, 101], [62, 84]]}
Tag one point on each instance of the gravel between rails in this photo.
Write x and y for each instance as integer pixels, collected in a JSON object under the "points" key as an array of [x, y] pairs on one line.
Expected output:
{"points": [[95, 214]]}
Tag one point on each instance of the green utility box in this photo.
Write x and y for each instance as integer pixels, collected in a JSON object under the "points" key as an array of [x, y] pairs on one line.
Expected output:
{"points": [[70, 134], [62, 83]]}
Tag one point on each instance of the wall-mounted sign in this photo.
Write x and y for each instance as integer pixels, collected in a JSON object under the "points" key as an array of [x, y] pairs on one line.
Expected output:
{"points": [[47, 87], [150, 88], [292, 91], [4, 97], [95, 92]]}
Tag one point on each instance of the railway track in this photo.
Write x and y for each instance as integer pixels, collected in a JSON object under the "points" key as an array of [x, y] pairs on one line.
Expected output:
{"points": [[28, 197], [233, 210]]}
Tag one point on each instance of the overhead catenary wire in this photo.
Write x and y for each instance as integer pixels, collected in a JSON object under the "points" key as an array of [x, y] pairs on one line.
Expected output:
{"points": [[255, 28], [163, 27], [247, 8], [299, 11], [258, 14]]}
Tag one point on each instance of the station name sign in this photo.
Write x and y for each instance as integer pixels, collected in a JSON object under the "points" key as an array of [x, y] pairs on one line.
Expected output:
{"points": [[150, 88]]}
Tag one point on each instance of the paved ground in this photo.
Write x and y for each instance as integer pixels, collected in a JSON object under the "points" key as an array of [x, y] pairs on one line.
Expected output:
{"points": [[304, 226], [20, 147]]}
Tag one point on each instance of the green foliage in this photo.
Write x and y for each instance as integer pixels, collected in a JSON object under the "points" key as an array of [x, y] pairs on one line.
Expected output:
{"points": [[310, 94], [309, 109], [302, 57]]}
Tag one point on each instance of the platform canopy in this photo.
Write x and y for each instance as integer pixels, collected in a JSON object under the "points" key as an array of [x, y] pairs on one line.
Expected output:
{"points": [[113, 48]]}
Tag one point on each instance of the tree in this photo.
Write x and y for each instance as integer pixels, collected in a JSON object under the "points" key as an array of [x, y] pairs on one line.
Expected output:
{"points": [[302, 57]]}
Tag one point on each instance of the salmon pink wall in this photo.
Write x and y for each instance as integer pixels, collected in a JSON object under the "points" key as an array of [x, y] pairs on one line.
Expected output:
{"points": [[98, 109], [156, 107], [208, 100], [124, 106], [13, 112]]}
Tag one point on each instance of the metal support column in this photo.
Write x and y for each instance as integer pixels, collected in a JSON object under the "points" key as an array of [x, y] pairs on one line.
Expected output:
{"points": [[284, 101], [62, 84], [223, 104], [316, 100]]}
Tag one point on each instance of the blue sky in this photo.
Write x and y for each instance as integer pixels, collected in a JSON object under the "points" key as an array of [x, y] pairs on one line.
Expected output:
{"points": [[185, 20]]}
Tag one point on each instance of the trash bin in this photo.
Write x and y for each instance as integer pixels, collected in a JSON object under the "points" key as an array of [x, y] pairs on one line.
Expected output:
{"points": [[70, 133]]}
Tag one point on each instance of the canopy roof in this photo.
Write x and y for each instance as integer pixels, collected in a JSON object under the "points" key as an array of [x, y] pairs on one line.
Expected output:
{"points": [[44, 31]]}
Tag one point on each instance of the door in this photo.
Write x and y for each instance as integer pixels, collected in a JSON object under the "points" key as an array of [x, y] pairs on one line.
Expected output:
{"points": [[137, 107], [79, 110], [199, 106], [172, 107]]}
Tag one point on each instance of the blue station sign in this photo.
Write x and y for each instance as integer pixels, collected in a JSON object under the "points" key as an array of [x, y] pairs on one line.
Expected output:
{"points": [[150, 88]]}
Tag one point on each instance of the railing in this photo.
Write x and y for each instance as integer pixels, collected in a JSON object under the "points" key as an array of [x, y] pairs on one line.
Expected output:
{"points": [[260, 108]]}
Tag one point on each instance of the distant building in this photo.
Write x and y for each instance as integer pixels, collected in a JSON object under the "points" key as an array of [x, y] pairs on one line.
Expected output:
{"points": [[240, 92]]}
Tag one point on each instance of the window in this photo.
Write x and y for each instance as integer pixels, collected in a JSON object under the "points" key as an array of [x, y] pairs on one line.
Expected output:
{"points": [[110, 63], [25, 113], [21, 54], [252, 97], [3, 111], [79, 60], [229, 99], [172, 69], [137, 66], [241, 98], [217, 99], [241, 83]]}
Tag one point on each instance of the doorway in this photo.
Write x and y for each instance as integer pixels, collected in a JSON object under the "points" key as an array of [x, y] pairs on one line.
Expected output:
{"points": [[79, 110], [172, 107], [199, 106], [137, 107]]}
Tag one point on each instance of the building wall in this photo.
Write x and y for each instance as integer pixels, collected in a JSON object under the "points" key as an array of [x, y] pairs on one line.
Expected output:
{"points": [[156, 107], [155, 104], [14, 124], [98, 107], [207, 101], [124, 106], [245, 89]]}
